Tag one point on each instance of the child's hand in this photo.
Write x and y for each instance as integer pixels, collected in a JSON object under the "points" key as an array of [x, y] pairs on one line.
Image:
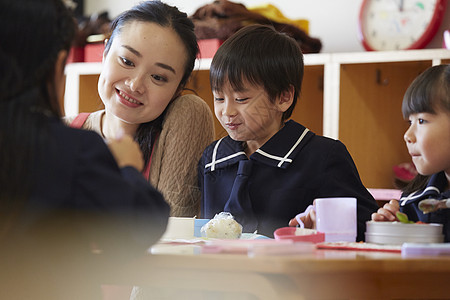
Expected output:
{"points": [[126, 152], [387, 212], [309, 220]]}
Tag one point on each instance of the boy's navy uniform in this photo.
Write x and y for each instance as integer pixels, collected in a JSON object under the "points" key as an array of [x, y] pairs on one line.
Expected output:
{"points": [[280, 179], [435, 189]]}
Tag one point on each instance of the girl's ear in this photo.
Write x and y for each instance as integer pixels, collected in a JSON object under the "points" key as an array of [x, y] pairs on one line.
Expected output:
{"points": [[104, 52], [59, 80], [61, 62], [286, 98]]}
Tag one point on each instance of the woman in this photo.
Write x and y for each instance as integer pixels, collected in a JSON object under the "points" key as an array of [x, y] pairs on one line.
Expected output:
{"points": [[64, 197], [146, 64]]}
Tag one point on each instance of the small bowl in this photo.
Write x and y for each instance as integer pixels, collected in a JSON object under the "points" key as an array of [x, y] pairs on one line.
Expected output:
{"points": [[290, 233]]}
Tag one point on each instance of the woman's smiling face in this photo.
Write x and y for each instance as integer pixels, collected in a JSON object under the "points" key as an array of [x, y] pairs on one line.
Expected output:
{"points": [[141, 71]]}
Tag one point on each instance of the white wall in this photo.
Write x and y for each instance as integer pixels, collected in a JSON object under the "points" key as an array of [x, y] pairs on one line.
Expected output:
{"points": [[334, 22]]}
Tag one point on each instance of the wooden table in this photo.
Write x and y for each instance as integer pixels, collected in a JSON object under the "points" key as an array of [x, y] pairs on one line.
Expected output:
{"points": [[324, 274]]}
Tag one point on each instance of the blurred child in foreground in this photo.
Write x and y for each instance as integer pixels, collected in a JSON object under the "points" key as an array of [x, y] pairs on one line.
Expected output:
{"points": [[67, 201]]}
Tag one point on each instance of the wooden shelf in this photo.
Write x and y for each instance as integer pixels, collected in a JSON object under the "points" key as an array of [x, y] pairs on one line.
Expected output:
{"points": [[354, 97]]}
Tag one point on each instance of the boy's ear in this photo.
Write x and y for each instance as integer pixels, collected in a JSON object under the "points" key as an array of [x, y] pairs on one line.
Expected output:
{"points": [[286, 98]]}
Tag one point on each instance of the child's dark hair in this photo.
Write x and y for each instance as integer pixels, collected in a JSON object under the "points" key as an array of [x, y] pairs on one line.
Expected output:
{"points": [[35, 49], [33, 35], [429, 92], [262, 56], [166, 16]]}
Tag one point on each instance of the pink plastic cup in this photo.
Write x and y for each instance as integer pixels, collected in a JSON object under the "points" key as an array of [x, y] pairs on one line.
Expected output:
{"points": [[336, 217]]}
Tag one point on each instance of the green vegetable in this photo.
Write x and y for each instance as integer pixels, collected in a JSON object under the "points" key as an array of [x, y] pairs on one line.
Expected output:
{"points": [[403, 218]]}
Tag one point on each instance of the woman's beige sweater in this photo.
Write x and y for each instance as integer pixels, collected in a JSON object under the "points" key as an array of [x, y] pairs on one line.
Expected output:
{"points": [[186, 131]]}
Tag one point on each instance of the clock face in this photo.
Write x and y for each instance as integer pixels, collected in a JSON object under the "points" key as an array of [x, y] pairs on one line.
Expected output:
{"points": [[399, 24]]}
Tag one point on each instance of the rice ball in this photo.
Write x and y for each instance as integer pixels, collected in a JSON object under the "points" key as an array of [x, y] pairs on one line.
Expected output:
{"points": [[222, 226]]}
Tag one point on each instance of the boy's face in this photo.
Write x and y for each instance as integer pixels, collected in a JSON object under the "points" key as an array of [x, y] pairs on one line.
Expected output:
{"points": [[249, 115], [428, 142]]}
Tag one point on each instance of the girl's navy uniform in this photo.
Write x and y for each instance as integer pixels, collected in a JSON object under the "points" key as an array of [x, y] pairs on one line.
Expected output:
{"points": [[280, 179], [79, 188], [435, 189]]}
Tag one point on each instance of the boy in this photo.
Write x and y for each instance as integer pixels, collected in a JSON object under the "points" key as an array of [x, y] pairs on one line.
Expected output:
{"points": [[268, 169]]}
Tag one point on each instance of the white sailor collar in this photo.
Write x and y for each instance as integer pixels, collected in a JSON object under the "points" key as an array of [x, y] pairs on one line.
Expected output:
{"points": [[279, 151], [434, 189]]}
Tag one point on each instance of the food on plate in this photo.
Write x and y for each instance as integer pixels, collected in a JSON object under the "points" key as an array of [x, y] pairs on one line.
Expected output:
{"points": [[222, 226], [403, 218]]}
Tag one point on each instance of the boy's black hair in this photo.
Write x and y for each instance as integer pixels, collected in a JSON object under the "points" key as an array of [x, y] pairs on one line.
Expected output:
{"points": [[428, 92], [262, 56]]}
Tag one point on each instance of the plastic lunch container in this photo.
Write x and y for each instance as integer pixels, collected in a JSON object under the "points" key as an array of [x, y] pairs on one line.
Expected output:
{"points": [[398, 233]]}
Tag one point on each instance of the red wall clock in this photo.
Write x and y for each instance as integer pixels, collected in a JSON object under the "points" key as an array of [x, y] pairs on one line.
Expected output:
{"points": [[399, 24]]}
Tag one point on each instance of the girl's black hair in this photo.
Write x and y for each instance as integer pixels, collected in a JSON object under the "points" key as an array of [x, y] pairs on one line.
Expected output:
{"points": [[166, 16], [428, 93], [262, 56], [32, 34]]}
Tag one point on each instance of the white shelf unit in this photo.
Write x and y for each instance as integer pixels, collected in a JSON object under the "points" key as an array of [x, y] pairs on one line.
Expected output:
{"points": [[354, 97]]}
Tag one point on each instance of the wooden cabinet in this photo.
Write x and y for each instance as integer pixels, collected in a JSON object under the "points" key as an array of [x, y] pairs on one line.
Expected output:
{"points": [[370, 122], [354, 97]]}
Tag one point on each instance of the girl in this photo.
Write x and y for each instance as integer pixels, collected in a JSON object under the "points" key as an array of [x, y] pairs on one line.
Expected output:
{"points": [[268, 169], [426, 105], [64, 197], [146, 64]]}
